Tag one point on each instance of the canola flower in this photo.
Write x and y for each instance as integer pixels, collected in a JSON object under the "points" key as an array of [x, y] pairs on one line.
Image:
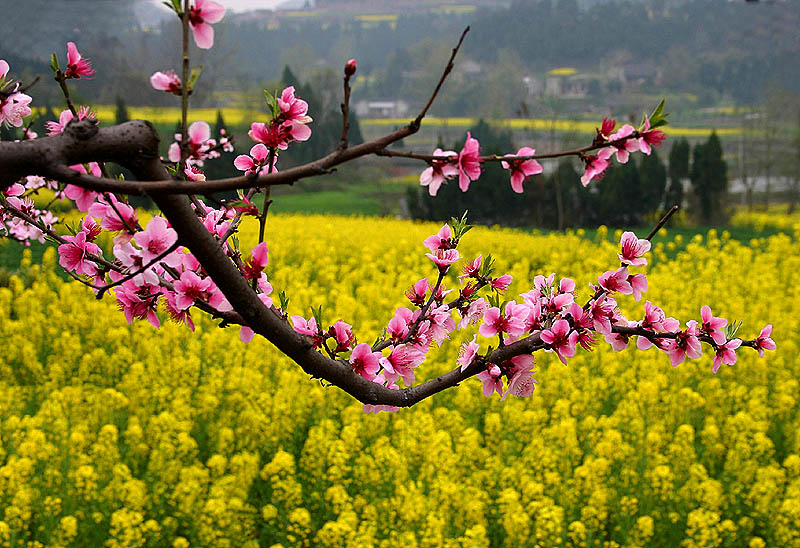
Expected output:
{"points": [[117, 435]]}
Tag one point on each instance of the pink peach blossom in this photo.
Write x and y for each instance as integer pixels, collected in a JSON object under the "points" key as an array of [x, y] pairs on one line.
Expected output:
{"points": [[439, 171], [200, 15], [441, 323], [616, 280], [441, 240], [257, 161], [726, 353], [606, 127], [650, 137], [473, 313], [561, 340], [418, 291], [191, 288], [502, 283], [259, 257], [156, 239], [167, 81], [638, 285], [399, 325], [73, 255], [521, 169], [595, 168], [472, 269], [293, 108], [492, 379], [444, 258], [618, 341], [365, 362], [687, 344], [764, 341], [402, 361], [305, 327], [77, 66], [623, 148], [138, 302], [14, 108], [511, 322], [469, 163], [342, 332], [467, 353], [66, 116], [713, 326], [633, 249], [521, 382]]}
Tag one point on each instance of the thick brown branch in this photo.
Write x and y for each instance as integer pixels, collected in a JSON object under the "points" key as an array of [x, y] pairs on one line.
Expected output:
{"points": [[136, 142]]}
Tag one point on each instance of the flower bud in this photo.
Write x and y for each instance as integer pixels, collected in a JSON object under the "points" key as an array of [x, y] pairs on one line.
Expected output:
{"points": [[350, 67]]}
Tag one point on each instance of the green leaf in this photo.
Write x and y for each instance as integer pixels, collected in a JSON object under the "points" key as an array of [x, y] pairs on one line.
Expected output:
{"points": [[732, 329], [487, 268], [196, 72], [54, 66], [174, 5], [272, 103], [317, 313], [284, 301], [659, 109]]}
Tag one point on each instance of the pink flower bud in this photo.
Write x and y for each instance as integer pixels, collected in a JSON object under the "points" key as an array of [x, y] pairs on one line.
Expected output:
{"points": [[350, 67]]}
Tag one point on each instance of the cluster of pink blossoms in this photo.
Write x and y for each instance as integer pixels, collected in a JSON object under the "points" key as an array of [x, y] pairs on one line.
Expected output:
{"points": [[621, 144], [200, 147], [148, 268], [14, 105], [288, 123], [547, 316], [466, 164], [18, 196]]}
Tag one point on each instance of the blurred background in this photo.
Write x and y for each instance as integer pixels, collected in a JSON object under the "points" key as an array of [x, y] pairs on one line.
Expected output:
{"points": [[539, 73]]}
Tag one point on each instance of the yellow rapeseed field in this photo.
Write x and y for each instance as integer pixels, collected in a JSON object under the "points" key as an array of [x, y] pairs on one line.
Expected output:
{"points": [[775, 218], [115, 435]]}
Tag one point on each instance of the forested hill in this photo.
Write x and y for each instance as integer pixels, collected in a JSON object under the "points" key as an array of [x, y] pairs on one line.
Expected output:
{"points": [[712, 49], [732, 46]]}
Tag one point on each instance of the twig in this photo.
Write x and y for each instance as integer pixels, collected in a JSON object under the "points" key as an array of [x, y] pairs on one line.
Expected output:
{"points": [[345, 113], [55, 236], [128, 227], [29, 86], [62, 82], [185, 86], [510, 157], [132, 275], [418, 120], [663, 221], [262, 220]]}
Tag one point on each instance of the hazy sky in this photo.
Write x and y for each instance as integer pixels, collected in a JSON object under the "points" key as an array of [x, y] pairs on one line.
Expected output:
{"points": [[244, 5]]}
